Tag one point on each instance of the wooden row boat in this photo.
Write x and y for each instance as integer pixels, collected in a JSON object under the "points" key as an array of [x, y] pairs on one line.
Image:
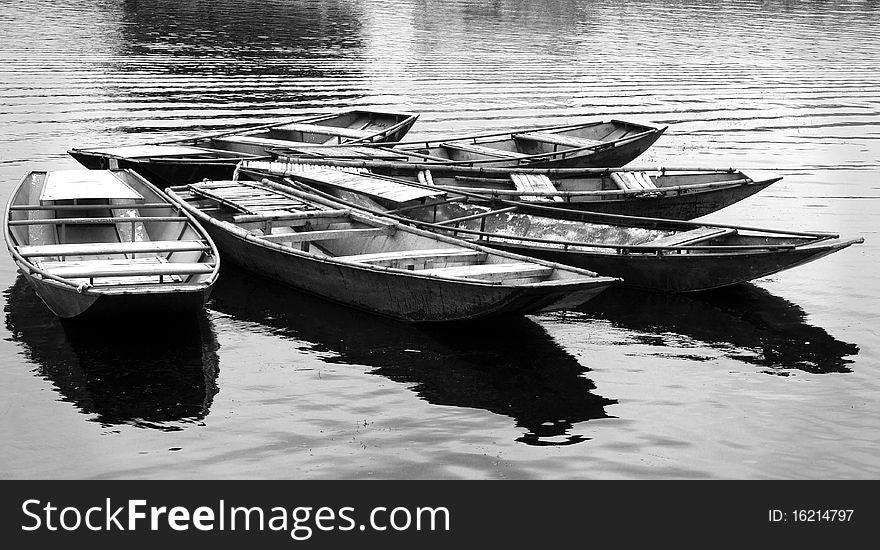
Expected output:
{"points": [[215, 155], [107, 242], [371, 263], [590, 144], [647, 253], [680, 194]]}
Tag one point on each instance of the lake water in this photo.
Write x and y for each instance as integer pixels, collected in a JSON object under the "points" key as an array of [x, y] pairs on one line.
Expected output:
{"points": [[777, 379]]}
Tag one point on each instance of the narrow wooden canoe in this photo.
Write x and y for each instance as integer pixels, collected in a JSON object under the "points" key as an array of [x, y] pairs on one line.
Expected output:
{"points": [[107, 242], [590, 144], [647, 253], [363, 261], [679, 194], [215, 155]]}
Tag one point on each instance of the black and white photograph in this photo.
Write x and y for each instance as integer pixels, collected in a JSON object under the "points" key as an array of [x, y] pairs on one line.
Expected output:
{"points": [[440, 240]]}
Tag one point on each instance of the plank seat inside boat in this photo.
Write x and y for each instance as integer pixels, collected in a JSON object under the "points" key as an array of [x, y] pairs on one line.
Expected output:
{"points": [[85, 184], [153, 269], [326, 234], [87, 249], [254, 140], [494, 272], [368, 184], [286, 215], [248, 198], [535, 182], [424, 259], [353, 133], [692, 236], [632, 180], [557, 139], [482, 150], [345, 152]]}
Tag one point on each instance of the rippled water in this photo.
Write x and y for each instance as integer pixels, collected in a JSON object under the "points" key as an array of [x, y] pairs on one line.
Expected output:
{"points": [[773, 380]]}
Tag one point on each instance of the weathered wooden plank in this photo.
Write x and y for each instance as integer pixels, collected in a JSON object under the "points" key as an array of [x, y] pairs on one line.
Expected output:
{"points": [[426, 254], [86, 184], [312, 214], [557, 139], [329, 234], [691, 237], [84, 249], [482, 150], [632, 180], [123, 268], [326, 130], [367, 184], [345, 152], [493, 272], [535, 182], [99, 220], [123, 206]]}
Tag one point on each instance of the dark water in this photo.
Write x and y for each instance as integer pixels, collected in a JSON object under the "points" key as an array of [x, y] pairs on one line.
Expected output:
{"points": [[778, 379]]}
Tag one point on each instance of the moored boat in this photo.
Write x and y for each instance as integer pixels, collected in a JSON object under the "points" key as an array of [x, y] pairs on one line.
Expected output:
{"points": [[107, 242], [215, 155], [589, 144], [369, 263], [647, 253], [672, 193]]}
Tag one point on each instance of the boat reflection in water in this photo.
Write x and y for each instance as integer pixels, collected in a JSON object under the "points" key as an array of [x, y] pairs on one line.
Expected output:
{"points": [[510, 367], [745, 322], [151, 373]]}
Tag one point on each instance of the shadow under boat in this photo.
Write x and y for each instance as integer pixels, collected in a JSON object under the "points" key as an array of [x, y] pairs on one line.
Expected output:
{"points": [[745, 322], [510, 367], [157, 373]]}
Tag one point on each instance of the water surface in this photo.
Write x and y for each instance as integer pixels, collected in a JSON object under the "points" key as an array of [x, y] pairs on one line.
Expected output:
{"points": [[778, 379]]}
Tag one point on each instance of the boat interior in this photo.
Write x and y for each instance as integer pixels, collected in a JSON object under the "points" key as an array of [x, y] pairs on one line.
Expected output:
{"points": [[287, 219], [349, 127], [587, 186], [526, 143], [633, 238], [106, 229]]}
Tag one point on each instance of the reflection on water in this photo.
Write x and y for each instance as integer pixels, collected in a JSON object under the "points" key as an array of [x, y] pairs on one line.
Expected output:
{"points": [[154, 373], [746, 322], [511, 367]]}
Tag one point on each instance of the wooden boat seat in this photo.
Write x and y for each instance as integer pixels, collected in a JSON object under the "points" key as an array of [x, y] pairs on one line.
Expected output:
{"points": [[632, 180], [344, 152], [86, 249], [693, 236], [421, 257], [493, 272], [482, 150], [125, 268], [367, 184], [557, 139], [254, 140], [535, 182], [327, 234], [352, 133], [286, 215], [85, 184]]}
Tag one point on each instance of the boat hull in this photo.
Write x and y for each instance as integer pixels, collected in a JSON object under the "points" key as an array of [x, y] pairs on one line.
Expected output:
{"points": [[65, 302], [611, 157], [685, 206], [673, 272], [413, 299], [161, 173]]}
